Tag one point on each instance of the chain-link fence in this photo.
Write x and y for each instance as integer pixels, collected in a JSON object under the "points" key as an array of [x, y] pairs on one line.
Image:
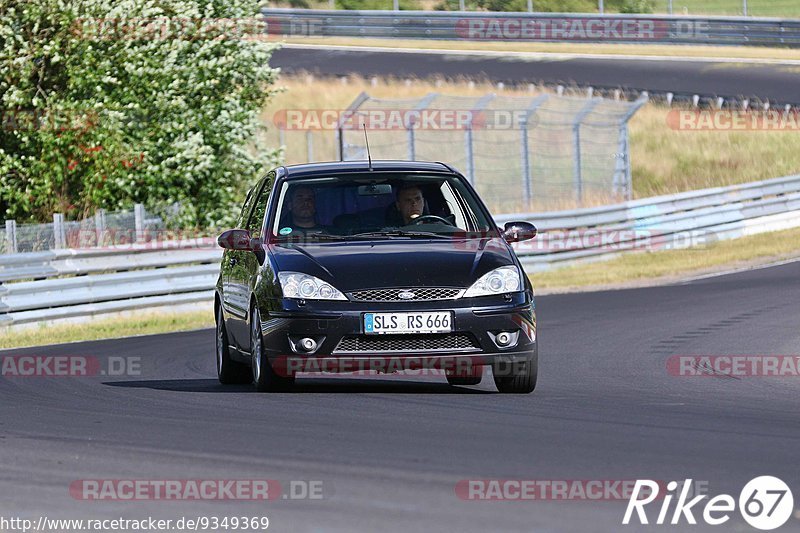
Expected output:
{"points": [[102, 229], [522, 154]]}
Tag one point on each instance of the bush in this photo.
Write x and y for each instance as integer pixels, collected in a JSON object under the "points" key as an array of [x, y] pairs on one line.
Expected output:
{"points": [[100, 112]]}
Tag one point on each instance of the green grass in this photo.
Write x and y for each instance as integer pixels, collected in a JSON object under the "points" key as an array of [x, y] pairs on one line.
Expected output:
{"points": [[146, 323], [648, 266]]}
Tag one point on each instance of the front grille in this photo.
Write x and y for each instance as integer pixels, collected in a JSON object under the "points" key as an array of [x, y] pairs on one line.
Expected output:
{"points": [[421, 294], [406, 343]]}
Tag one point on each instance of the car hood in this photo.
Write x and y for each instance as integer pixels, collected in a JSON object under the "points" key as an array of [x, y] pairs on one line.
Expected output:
{"points": [[357, 265]]}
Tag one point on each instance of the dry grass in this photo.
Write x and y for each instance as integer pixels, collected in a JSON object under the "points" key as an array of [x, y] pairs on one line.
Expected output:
{"points": [[666, 161], [753, 52], [755, 249], [146, 323]]}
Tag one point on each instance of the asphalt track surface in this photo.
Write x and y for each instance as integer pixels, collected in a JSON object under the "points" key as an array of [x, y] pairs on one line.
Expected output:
{"points": [[390, 450], [773, 82]]}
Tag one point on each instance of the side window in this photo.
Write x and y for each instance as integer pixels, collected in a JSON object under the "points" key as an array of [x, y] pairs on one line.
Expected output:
{"points": [[256, 221], [248, 203]]}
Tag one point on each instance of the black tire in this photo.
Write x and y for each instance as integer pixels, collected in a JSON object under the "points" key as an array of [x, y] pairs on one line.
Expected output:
{"points": [[229, 372], [518, 377], [263, 375]]}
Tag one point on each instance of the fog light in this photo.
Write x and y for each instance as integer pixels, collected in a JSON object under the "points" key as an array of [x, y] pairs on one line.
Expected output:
{"points": [[504, 338], [307, 344]]}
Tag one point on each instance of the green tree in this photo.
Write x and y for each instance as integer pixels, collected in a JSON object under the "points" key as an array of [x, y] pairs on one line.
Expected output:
{"points": [[106, 103]]}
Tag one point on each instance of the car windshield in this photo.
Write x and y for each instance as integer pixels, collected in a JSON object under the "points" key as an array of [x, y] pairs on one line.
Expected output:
{"points": [[380, 205]]}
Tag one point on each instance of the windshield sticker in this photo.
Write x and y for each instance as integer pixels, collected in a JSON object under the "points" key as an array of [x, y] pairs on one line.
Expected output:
{"points": [[285, 231]]}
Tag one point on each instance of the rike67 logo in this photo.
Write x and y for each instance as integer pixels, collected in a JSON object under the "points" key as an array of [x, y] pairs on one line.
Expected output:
{"points": [[765, 503]]}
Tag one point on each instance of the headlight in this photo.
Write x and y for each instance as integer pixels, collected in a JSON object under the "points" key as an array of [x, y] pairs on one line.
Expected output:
{"points": [[498, 281], [303, 286]]}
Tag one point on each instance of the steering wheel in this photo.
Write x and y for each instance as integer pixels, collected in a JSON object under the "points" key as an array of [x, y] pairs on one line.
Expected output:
{"points": [[417, 220]]}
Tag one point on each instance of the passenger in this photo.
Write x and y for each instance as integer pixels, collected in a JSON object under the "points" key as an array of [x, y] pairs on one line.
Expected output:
{"points": [[302, 206]]}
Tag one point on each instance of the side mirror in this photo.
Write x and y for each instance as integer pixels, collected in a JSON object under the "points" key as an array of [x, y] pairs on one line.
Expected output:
{"points": [[237, 239], [518, 231]]}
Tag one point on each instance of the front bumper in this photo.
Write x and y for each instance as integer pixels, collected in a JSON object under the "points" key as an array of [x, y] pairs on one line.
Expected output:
{"points": [[341, 345]]}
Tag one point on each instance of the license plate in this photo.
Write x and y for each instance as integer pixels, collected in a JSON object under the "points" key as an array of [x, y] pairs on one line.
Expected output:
{"points": [[427, 322]]}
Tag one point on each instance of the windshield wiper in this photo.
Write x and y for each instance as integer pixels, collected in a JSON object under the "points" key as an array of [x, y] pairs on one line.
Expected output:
{"points": [[311, 237], [401, 233]]}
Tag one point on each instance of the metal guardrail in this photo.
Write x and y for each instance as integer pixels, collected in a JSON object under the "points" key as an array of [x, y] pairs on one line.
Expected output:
{"points": [[39, 286], [42, 286], [694, 218], [549, 27]]}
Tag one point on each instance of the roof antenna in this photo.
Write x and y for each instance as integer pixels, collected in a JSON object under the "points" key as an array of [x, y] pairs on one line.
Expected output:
{"points": [[366, 139]]}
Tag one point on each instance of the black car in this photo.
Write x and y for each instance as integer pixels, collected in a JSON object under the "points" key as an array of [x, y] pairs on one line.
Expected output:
{"points": [[385, 266]]}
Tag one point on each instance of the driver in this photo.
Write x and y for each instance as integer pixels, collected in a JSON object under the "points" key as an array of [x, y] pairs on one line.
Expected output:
{"points": [[410, 202]]}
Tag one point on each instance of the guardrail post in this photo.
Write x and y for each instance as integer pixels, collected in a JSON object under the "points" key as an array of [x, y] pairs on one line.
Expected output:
{"points": [[600, 6], [527, 184], [59, 231], [138, 221], [744, 7], [100, 226], [309, 146], [480, 105], [622, 167], [669, 7], [409, 124], [469, 154], [348, 115], [526, 164], [11, 236], [576, 139], [530, 6]]}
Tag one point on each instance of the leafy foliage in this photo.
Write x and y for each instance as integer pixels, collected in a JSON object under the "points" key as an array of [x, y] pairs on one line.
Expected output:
{"points": [[106, 103]]}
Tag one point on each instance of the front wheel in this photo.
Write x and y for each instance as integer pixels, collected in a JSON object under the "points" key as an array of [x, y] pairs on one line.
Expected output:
{"points": [[517, 377], [264, 376], [229, 372]]}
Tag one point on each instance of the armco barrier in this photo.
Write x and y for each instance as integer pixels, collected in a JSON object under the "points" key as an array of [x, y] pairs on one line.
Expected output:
{"points": [[67, 283], [550, 27], [56, 284]]}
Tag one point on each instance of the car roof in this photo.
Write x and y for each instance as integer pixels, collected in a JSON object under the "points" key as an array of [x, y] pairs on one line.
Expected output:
{"points": [[315, 169]]}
